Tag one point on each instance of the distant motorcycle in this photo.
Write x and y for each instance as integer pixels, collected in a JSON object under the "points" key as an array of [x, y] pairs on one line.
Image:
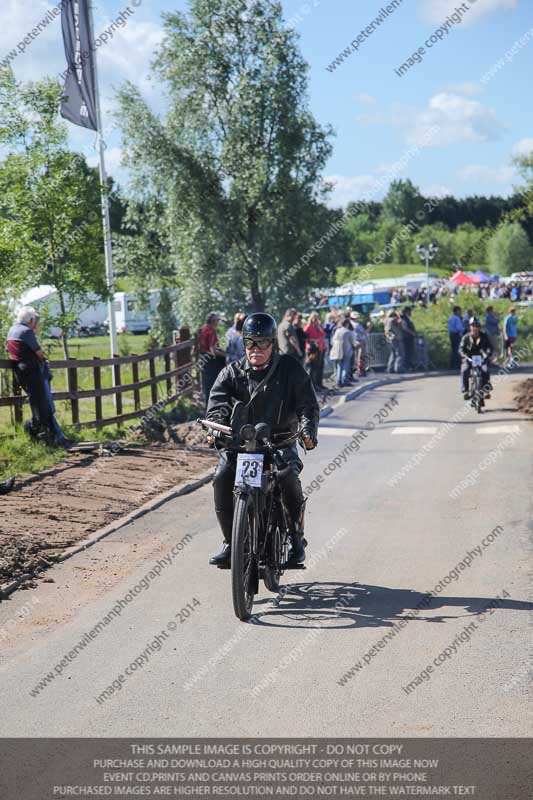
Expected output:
{"points": [[477, 392]]}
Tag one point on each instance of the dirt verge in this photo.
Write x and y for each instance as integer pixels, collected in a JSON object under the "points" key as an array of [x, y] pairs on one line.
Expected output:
{"points": [[524, 396], [42, 518]]}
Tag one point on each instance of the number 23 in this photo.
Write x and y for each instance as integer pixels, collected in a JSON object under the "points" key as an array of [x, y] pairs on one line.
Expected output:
{"points": [[249, 469]]}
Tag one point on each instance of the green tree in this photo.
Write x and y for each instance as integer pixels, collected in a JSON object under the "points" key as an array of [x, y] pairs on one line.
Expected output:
{"points": [[361, 233], [447, 254], [142, 250], [164, 323], [388, 246], [523, 208], [509, 250], [470, 245], [51, 230], [237, 160], [402, 201]]}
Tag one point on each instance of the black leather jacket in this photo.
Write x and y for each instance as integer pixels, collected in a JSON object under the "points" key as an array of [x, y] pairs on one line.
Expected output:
{"points": [[475, 347], [284, 401]]}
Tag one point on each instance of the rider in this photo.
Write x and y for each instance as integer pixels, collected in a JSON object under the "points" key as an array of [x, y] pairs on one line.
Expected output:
{"points": [[276, 390], [475, 343]]}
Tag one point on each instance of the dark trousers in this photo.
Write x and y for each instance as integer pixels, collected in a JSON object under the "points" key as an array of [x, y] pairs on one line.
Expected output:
{"points": [[32, 381], [224, 481], [455, 358], [211, 367], [315, 368], [409, 350]]}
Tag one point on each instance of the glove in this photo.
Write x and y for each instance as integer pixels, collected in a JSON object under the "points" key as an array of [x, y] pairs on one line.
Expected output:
{"points": [[310, 441]]}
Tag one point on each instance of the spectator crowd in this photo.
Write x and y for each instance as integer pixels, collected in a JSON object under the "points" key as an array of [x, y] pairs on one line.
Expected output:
{"points": [[335, 349]]}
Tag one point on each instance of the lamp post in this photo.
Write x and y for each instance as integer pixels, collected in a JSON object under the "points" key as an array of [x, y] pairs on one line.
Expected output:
{"points": [[427, 253]]}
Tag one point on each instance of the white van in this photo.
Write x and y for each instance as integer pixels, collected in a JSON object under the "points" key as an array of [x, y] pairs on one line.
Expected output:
{"points": [[134, 312]]}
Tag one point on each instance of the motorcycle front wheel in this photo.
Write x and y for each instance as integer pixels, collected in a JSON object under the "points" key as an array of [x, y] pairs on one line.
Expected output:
{"points": [[244, 567]]}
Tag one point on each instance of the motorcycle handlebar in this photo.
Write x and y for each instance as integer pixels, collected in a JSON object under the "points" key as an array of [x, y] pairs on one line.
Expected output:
{"points": [[227, 431], [215, 426]]}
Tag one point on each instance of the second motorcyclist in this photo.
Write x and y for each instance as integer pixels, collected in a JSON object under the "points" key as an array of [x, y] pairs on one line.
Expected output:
{"points": [[475, 343]]}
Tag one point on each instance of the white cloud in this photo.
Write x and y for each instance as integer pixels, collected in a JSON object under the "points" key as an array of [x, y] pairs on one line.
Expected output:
{"points": [[523, 148], [436, 190], [44, 53], [499, 178], [468, 88], [127, 55], [347, 189], [458, 119], [452, 114], [113, 159], [437, 10]]}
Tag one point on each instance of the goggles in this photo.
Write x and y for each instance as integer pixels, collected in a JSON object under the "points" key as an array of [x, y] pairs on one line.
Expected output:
{"points": [[262, 344]]}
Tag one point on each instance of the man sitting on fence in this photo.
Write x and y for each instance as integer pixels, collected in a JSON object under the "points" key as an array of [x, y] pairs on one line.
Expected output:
{"points": [[30, 370]]}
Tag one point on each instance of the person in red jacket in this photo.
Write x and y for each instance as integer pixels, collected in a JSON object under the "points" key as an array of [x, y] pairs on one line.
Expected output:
{"points": [[316, 349], [212, 357], [28, 362]]}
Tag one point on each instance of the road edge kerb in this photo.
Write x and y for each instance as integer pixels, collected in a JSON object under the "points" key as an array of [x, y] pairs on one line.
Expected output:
{"points": [[375, 384], [102, 533]]}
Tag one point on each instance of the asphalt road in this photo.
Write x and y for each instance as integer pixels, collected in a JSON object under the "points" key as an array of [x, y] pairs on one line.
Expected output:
{"points": [[382, 535]]}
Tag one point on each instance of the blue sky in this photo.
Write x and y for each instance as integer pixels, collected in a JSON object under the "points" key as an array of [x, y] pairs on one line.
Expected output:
{"points": [[377, 115]]}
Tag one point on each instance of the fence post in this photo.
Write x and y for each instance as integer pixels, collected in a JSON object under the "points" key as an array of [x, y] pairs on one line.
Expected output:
{"points": [[176, 360], [118, 396], [184, 357], [135, 377], [72, 373], [97, 372], [166, 359], [153, 386]]}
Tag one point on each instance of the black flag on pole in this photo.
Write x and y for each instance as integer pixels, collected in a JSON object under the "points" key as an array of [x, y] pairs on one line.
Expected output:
{"points": [[79, 101]]}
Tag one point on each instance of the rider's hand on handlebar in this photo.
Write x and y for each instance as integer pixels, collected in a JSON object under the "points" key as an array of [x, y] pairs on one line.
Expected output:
{"points": [[210, 439], [308, 442]]}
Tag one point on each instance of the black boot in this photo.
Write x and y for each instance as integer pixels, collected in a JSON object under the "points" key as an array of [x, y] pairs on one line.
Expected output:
{"points": [[225, 520], [223, 558], [296, 506], [297, 552]]}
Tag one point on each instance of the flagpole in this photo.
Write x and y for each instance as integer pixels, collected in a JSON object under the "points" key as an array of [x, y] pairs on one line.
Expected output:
{"points": [[113, 341]]}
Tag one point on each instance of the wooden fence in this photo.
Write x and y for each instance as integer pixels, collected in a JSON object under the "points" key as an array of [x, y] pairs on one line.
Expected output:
{"points": [[177, 361]]}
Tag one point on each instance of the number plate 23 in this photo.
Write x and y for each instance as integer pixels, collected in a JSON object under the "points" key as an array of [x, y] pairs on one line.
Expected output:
{"points": [[477, 361], [249, 469]]}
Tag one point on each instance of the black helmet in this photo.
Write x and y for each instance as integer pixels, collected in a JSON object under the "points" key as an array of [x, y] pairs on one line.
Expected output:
{"points": [[474, 321], [260, 325]]}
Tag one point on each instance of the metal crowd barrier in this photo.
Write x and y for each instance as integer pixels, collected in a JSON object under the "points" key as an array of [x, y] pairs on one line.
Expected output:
{"points": [[379, 350]]}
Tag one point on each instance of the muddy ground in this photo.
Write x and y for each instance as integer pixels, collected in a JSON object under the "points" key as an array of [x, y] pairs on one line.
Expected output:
{"points": [[43, 517], [524, 396]]}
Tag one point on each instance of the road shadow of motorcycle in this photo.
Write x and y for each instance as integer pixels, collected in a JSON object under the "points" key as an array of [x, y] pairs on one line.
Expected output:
{"points": [[329, 605]]}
